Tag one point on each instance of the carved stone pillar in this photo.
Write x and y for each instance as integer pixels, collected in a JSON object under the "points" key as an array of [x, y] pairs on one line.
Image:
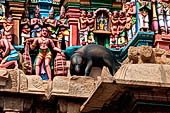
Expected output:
{"points": [[73, 15], [16, 9], [68, 106]]}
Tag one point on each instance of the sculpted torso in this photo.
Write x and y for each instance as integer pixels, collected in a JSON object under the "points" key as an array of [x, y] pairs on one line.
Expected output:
{"points": [[83, 23], [36, 22]]}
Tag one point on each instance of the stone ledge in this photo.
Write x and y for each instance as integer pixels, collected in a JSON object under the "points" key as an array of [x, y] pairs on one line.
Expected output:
{"points": [[144, 75]]}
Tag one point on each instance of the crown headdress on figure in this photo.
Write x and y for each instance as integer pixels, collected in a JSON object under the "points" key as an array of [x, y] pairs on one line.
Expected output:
{"points": [[62, 11], [51, 10], [37, 9]]}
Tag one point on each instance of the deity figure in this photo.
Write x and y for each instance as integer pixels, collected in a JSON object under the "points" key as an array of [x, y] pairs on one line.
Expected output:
{"points": [[128, 22], [160, 12], [144, 7], [132, 12], [51, 23], [8, 29], [90, 22], [63, 28], [36, 23], [114, 27], [25, 22], [83, 28], [167, 11], [44, 56], [121, 29], [102, 22], [9, 55]]}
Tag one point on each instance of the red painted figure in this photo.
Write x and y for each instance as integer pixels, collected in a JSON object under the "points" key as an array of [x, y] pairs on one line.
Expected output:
{"points": [[44, 55]]}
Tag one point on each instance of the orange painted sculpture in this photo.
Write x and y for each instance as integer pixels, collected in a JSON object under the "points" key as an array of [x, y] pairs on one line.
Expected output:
{"points": [[44, 56], [83, 28], [8, 29], [63, 28], [36, 23]]}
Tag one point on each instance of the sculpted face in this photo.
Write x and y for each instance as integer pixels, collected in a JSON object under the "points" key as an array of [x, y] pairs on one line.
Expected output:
{"points": [[77, 62], [89, 14], [83, 13], [115, 14], [44, 32], [51, 15], [37, 14]]}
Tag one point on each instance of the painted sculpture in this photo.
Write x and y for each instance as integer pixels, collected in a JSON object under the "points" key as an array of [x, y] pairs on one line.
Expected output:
{"points": [[160, 12], [25, 22], [85, 58], [90, 21], [9, 55], [128, 22], [8, 29], [44, 56], [144, 8], [83, 28], [114, 27], [51, 23], [36, 23], [121, 29], [132, 12], [63, 28]]}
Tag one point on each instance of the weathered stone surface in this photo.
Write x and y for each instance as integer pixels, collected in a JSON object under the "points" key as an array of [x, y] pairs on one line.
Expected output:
{"points": [[23, 82], [81, 86], [3, 76], [12, 84], [61, 84], [13, 104], [144, 74], [35, 83], [147, 54]]}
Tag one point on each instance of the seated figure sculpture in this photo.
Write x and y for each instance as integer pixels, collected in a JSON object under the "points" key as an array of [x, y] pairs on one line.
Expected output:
{"points": [[44, 56], [8, 53]]}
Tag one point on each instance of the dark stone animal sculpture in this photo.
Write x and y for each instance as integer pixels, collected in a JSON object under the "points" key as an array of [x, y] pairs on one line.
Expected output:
{"points": [[90, 56]]}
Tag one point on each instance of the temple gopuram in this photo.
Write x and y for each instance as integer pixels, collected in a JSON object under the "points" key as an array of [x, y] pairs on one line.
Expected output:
{"points": [[84, 56]]}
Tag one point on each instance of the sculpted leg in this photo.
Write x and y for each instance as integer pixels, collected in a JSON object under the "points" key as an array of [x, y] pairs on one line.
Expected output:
{"points": [[6, 64], [88, 67], [37, 66], [48, 68]]}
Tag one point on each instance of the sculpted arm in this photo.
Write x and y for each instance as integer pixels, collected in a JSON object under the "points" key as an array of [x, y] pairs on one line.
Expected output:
{"points": [[40, 22], [33, 22], [7, 28], [5, 43], [53, 46], [34, 44]]}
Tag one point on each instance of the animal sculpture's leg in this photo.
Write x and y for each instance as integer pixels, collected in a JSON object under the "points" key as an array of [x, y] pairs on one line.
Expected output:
{"points": [[88, 67]]}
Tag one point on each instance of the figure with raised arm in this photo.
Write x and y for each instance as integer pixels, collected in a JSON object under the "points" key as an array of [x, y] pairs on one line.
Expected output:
{"points": [[36, 23], [44, 56]]}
